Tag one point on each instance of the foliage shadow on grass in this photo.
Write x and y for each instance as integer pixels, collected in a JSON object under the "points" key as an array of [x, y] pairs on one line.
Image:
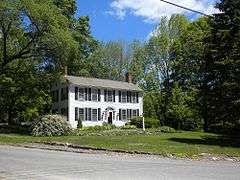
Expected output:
{"points": [[14, 129], [223, 141]]}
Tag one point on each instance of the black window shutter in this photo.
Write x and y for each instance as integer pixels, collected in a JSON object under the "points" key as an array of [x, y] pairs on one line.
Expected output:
{"points": [[130, 95], [137, 112], [105, 95], [76, 93], [76, 114], [86, 114], [57, 94], [137, 97], [128, 114], [120, 96], [131, 113], [120, 114], [86, 94], [99, 114], [99, 95], [113, 95], [89, 94], [89, 114]]}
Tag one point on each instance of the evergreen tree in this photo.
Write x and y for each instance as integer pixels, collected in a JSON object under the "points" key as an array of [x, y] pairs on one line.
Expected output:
{"points": [[221, 83]]}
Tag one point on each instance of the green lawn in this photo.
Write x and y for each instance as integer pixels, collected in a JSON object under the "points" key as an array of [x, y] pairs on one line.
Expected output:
{"points": [[180, 144]]}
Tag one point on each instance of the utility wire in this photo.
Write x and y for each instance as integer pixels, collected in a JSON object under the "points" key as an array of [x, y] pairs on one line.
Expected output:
{"points": [[192, 10], [186, 8]]}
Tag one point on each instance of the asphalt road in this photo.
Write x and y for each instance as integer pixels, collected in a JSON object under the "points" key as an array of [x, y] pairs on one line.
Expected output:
{"points": [[22, 163]]}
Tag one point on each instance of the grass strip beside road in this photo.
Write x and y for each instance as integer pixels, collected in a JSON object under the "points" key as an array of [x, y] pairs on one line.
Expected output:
{"points": [[185, 144]]}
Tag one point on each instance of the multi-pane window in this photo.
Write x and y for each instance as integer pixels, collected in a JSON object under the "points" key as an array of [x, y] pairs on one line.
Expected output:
{"points": [[55, 96], [87, 94], [134, 112], [64, 93], [64, 111], [81, 94], [81, 114], [124, 114], [94, 114], [127, 114], [109, 95], [124, 96], [94, 95], [129, 97], [134, 97]]}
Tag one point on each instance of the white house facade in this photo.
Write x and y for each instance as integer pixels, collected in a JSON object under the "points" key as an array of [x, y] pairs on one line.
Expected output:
{"points": [[97, 101]]}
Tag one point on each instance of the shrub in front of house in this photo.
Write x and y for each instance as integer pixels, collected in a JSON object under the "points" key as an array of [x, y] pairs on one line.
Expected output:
{"points": [[149, 122], [165, 129], [128, 126], [104, 127], [50, 125]]}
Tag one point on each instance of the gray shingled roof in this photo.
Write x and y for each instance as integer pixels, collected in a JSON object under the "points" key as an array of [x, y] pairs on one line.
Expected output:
{"points": [[102, 83]]}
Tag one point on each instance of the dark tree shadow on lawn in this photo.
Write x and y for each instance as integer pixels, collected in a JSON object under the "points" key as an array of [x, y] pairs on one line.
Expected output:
{"points": [[224, 141], [7, 129]]}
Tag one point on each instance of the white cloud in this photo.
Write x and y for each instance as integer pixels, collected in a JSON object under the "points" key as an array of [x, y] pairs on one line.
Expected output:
{"points": [[153, 10]]}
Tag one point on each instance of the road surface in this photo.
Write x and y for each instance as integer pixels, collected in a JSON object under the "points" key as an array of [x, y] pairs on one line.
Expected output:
{"points": [[23, 163]]}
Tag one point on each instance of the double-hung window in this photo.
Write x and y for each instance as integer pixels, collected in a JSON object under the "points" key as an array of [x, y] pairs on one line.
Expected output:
{"points": [[94, 114], [64, 93], [124, 96], [134, 112], [109, 95], [81, 94], [81, 114], [94, 94], [124, 114]]}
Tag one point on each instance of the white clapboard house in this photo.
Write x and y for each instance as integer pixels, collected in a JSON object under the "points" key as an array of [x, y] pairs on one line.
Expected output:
{"points": [[97, 101]]}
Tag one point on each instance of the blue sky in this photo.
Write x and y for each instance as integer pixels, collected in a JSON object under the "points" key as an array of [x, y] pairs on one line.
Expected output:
{"points": [[129, 20]]}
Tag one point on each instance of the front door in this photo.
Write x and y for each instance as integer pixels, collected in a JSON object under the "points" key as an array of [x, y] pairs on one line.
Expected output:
{"points": [[110, 116]]}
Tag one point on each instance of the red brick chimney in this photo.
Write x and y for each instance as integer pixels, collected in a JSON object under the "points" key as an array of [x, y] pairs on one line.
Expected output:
{"points": [[129, 77]]}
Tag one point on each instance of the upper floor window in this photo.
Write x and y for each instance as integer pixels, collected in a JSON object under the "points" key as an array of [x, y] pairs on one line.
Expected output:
{"points": [[64, 93], [87, 94], [109, 95], [81, 94], [130, 97], [124, 96], [94, 94], [55, 96], [134, 97]]}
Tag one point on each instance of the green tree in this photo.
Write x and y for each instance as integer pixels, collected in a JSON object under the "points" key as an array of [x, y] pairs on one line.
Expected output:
{"points": [[179, 111], [221, 84], [34, 40]]}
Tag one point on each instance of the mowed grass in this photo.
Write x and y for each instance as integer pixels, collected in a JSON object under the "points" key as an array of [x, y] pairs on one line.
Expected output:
{"points": [[180, 144]]}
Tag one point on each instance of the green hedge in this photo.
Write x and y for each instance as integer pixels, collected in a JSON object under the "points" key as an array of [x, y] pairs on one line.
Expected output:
{"points": [[149, 122]]}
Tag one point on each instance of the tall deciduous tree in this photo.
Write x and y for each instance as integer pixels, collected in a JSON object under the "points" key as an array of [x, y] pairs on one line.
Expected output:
{"points": [[33, 35]]}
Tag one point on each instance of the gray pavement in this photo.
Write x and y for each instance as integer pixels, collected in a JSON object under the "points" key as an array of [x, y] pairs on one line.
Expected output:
{"points": [[22, 163]]}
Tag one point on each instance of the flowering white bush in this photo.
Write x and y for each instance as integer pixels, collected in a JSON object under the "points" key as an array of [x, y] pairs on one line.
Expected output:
{"points": [[50, 125]]}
